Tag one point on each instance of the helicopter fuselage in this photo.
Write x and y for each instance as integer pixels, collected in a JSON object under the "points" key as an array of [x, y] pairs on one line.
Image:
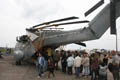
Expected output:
{"points": [[96, 28]]}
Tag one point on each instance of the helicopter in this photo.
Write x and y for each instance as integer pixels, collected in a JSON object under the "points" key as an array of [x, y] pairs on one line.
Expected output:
{"points": [[43, 37]]}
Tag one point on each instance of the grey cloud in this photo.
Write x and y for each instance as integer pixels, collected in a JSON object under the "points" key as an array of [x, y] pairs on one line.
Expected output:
{"points": [[40, 9]]}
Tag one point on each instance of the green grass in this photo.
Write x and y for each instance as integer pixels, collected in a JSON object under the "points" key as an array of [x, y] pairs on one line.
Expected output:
{"points": [[5, 51]]}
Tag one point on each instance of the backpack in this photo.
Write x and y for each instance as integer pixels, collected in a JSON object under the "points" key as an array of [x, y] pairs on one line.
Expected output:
{"points": [[110, 67], [103, 70]]}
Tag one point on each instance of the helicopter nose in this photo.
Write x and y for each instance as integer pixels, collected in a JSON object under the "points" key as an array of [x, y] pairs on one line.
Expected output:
{"points": [[18, 55]]}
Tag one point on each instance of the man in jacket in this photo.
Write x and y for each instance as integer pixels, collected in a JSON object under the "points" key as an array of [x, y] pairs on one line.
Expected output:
{"points": [[70, 62], [56, 58], [41, 63], [77, 63]]}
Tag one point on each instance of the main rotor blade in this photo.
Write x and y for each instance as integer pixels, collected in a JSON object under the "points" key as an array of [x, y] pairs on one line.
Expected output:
{"points": [[54, 28], [31, 29], [113, 17], [76, 22], [64, 19], [94, 7]]}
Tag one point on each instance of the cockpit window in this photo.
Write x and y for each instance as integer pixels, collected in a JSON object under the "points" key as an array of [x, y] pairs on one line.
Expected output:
{"points": [[23, 38]]}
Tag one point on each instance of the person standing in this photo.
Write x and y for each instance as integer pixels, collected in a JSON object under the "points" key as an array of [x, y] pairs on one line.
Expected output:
{"points": [[102, 71], [86, 64], [105, 59], [115, 64], [56, 58], [41, 63], [70, 62], [77, 63], [63, 61], [95, 66], [51, 67]]}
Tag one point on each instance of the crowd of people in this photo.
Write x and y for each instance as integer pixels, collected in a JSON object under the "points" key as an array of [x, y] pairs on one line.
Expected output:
{"points": [[81, 64]]}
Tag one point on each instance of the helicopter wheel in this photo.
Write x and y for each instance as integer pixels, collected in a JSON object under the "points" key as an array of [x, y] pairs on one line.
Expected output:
{"points": [[18, 62]]}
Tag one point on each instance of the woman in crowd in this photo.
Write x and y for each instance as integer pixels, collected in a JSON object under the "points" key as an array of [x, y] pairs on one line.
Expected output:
{"points": [[95, 66], [51, 67], [86, 64]]}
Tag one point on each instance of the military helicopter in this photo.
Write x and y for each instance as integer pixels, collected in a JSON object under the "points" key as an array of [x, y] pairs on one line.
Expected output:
{"points": [[40, 38]]}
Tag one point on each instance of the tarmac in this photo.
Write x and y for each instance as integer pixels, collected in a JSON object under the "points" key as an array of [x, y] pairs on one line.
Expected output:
{"points": [[28, 71]]}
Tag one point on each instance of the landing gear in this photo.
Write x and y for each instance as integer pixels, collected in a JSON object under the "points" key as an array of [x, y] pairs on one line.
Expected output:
{"points": [[0, 56], [18, 62]]}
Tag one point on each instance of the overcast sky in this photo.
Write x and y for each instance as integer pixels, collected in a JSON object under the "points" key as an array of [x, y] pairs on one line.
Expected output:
{"points": [[17, 15]]}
